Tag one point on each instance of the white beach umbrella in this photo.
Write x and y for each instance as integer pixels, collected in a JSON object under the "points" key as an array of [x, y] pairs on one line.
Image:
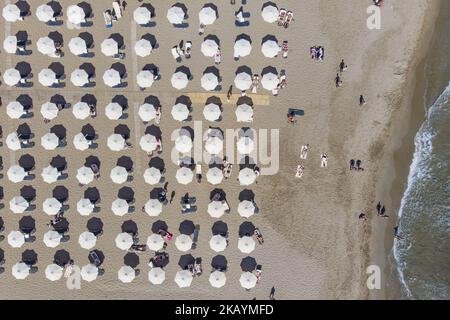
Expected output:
{"points": [[13, 141], [218, 243], [18, 204], [270, 81], [217, 279], [15, 110], [244, 113], [248, 280], [214, 175], [81, 110], [113, 111], [142, 15], [49, 110], [216, 209], [49, 141], [10, 44], [183, 278], [80, 142], [155, 242], [243, 81], [270, 48], [179, 80], [246, 244], [126, 274], [20, 270], [148, 143], [120, 207], [212, 112], [119, 175], [246, 208], [242, 48], [209, 81], [79, 77], [53, 272], [124, 241], [76, 14], [180, 112], [85, 175], [109, 47], [89, 272], [246, 176], [147, 112], [270, 13], [145, 79], [116, 142], [11, 77], [183, 143], [152, 175], [156, 275], [50, 174], [112, 78], [143, 48], [47, 77], [85, 207], [153, 207], [11, 13], [245, 145], [45, 13], [78, 46], [184, 175], [46, 45], [51, 206], [16, 173], [16, 239], [183, 242], [175, 15], [52, 238], [209, 48], [207, 16], [87, 240], [214, 145]]}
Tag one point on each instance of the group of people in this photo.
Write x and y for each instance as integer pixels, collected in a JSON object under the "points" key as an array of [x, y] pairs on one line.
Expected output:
{"points": [[317, 53], [356, 165]]}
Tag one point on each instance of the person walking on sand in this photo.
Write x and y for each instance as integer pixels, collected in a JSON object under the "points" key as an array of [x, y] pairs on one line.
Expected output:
{"points": [[272, 294], [382, 211], [229, 93], [378, 207], [362, 216], [362, 101], [397, 235], [342, 66], [338, 80]]}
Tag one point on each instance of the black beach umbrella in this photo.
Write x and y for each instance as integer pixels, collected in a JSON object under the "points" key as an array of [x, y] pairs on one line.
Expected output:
{"points": [[246, 229], [24, 7], [28, 192], [156, 192], [126, 193], [121, 100], [61, 258], [213, 38], [160, 259], [95, 225], [59, 130], [184, 70], [22, 37], [153, 100], [119, 67], [219, 262], [87, 8], [58, 99], [154, 131], [2, 256], [150, 38], [123, 130], [61, 193], [88, 132], [212, 70], [27, 224], [244, 69], [89, 99], [56, 7], [150, 8], [152, 68], [131, 259], [247, 162], [24, 131], [129, 226], [57, 68], [159, 225], [214, 100], [62, 226], [29, 257], [219, 227], [184, 100], [125, 162], [56, 37], [244, 100], [246, 194], [26, 101], [185, 261], [2, 223], [59, 162], [96, 257], [90, 70], [187, 227], [27, 162], [248, 264], [186, 130], [269, 69], [88, 38], [157, 163], [2, 195], [92, 160], [243, 36], [117, 37], [269, 37], [215, 162], [92, 194], [217, 194]]}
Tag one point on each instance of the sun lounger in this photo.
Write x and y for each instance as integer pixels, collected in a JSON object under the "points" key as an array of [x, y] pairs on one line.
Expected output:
{"points": [[117, 9], [282, 17], [187, 209], [258, 272], [289, 18], [304, 152], [188, 49], [198, 270], [108, 19], [195, 238], [175, 53], [324, 161], [299, 172]]}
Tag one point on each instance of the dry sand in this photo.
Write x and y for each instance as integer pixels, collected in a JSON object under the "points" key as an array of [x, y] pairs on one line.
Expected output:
{"points": [[315, 247]]}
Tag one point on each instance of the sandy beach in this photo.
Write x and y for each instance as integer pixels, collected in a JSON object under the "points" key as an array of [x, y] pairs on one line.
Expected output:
{"points": [[315, 245]]}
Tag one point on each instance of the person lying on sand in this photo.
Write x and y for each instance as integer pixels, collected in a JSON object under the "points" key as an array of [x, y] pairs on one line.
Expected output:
{"points": [[299, 172], [304, 151], [323, 160]]}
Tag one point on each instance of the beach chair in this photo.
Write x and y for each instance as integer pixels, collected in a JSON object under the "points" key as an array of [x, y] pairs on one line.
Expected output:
{"points": [[299, 172], [282, 17], [285, 49], [195, 238], [289, 19], [258, 272], [259, 236], [188, 49], [304, 152], [175, 54], [198, 270], [323, 161], [117, 9], [95, 258], [108, 19]]}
